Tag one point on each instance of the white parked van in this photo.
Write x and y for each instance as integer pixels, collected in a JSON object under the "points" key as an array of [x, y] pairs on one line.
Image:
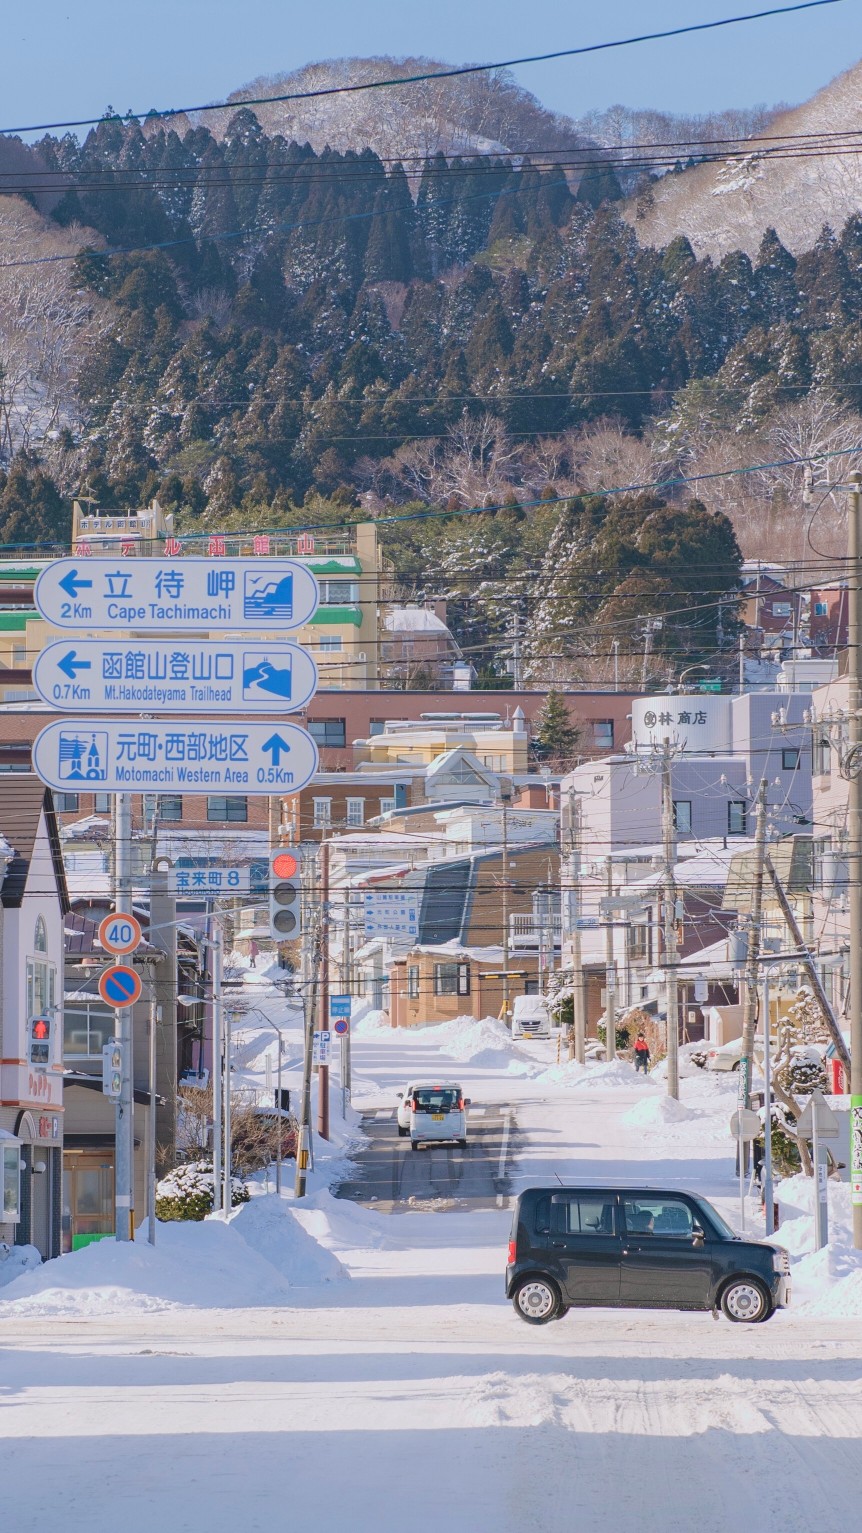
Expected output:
{"points": [[438, 1113], [531, 1017]]}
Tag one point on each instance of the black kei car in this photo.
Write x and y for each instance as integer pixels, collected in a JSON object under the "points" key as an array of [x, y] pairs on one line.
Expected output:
{"points": [[636, 1248]]}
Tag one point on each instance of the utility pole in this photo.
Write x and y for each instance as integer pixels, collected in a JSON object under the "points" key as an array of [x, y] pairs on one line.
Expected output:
{"points": [[124, 1168], [506, 797], [573, 905], [668, 829], [610, 970], [323, 1069], [749, 1015], [154, 1020], [309, 997], [517, 669], [226, 1201], [215, 964], [615, 646], [741, 663], [854, 846]]}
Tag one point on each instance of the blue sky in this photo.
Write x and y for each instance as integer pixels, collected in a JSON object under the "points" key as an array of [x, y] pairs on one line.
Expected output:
{"points": [[61, 59]]}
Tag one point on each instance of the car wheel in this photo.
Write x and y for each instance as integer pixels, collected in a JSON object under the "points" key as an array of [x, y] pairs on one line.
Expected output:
{"points": [[536, 1300], [402, 1132], [414, 1144], [563, 1310], [746, 1301], [735, 1065], [463, 1143]]}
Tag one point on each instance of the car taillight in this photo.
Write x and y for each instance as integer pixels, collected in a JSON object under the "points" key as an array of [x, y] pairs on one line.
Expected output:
{"points": [[460, 1104], [511, 1256]]}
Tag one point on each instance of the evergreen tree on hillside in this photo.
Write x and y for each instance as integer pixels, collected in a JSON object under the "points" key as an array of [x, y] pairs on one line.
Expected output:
{"points": [[557, 737]]}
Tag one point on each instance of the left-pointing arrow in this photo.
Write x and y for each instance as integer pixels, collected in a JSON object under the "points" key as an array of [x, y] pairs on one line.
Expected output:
{"points": [[69, 665], [73, 583]]}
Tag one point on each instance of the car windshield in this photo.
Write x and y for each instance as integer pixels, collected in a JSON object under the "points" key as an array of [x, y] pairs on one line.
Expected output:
{"points": [[715, 1218], [436, 1098]]}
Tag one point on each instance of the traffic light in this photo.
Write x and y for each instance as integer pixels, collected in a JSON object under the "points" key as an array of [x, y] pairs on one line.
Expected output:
{"points": [[39, 1041], [112, 1068], [285, 894]]}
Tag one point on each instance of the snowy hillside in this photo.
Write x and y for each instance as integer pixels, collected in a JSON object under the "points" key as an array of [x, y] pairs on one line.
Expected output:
{"points": [[485, 111], [728, 206]]}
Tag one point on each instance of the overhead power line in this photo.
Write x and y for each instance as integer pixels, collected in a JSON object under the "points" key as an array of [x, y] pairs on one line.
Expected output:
{"points": [[436, 74]]}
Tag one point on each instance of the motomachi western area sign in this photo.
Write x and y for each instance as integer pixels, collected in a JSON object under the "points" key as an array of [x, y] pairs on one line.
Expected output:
{"points": [[181, 756], [180, 596]]}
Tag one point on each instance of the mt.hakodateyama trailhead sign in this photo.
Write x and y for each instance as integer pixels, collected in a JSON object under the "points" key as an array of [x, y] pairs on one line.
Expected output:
{"points": [[175, 676], [185, 595], [180, 756]]}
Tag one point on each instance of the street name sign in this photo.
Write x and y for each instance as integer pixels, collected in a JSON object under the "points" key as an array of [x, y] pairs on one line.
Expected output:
{"points": [[175, 675], [183, 595], [120, 933], [185, 756], [210, 881]]}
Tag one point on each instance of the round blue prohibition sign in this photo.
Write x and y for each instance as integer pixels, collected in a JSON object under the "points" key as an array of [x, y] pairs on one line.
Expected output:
{"points": [[120, 986], [341, 1026]]}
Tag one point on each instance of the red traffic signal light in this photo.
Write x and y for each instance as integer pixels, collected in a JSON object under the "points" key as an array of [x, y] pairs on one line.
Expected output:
{"points": [[39, 1041], [285, 864]]}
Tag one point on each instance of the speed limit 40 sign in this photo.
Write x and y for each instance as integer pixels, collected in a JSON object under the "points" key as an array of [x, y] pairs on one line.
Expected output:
{"points": [[120, 933]]}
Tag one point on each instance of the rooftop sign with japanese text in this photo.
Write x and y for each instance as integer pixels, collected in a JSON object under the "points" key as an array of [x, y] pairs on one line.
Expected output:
{"points": [[183, 595], [185, 756], [175, 675]]}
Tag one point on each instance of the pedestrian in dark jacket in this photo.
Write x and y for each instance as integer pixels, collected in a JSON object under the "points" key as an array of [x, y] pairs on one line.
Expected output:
{"points": [[641, 1052]]}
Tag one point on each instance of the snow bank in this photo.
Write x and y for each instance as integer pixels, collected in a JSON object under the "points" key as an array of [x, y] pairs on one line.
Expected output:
{"points": [[486, 1043], [272, 1229], [370, 1023], [657, 1112], [826, 1283], [16, 1259], [613, 1073], [207, 1265]]}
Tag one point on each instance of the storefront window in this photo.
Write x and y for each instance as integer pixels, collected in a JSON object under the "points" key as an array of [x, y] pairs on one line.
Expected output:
{"points": [[11, 1184]]}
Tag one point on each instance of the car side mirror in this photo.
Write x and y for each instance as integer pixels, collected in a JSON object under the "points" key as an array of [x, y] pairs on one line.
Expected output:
{"points": [[468, 1101], [399, 1094], [697, 1235]]}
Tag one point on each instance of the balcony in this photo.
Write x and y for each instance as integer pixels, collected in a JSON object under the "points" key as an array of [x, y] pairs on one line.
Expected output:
{"points": [[525, 932]]}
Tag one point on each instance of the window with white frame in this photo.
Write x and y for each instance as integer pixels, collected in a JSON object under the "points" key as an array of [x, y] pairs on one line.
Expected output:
{"points": [[356, 811], [40, 937], [387, 806], [412, 982], [10, 1212], [682, 815], [101, 803], [331, 644], [322, 812], [451, 979], [338, 593], [737, 817], [41, 987]]}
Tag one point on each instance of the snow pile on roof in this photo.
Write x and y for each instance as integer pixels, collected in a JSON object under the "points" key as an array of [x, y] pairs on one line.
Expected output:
{"points": [[826, 1283], [208, 1265], [657, 1112], [413, 620]]}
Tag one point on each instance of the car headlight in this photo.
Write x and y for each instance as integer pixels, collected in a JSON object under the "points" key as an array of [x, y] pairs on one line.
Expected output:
{"points": [[780, 1260]]}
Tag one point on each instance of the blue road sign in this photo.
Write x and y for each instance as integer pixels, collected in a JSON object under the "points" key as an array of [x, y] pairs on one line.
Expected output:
{"points": [[175, 756], [175, 676], [176, 595], [341, 1026], [339, 1006], [120, 986]]}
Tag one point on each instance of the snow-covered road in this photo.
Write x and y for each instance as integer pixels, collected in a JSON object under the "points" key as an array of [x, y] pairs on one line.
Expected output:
{"points": [[412, 1395]]}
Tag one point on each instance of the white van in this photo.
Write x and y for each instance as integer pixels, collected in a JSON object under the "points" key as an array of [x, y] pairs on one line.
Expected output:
{"points": [[531, 1017], [438, 1113]]}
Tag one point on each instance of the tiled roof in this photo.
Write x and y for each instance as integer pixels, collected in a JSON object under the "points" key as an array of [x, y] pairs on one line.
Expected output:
{"points": [[22, 799]]}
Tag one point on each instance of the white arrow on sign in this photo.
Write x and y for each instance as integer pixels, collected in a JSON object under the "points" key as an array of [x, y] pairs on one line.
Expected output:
{"points": [[175, 676], [185, 756], [182, 595]]}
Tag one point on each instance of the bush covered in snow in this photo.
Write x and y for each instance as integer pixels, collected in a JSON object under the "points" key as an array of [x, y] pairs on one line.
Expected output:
{"points": [[187, 1192]]}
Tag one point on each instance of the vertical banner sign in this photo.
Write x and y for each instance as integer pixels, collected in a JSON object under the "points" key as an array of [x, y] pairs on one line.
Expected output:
{"points": [[856, 1151]]}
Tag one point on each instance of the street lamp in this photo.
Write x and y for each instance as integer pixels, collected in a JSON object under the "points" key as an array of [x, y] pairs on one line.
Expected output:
{"points": [[687, 671]]}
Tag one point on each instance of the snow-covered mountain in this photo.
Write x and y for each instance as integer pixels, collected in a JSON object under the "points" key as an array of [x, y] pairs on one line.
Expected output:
{"points": [[483, 111], [727, 206]]}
